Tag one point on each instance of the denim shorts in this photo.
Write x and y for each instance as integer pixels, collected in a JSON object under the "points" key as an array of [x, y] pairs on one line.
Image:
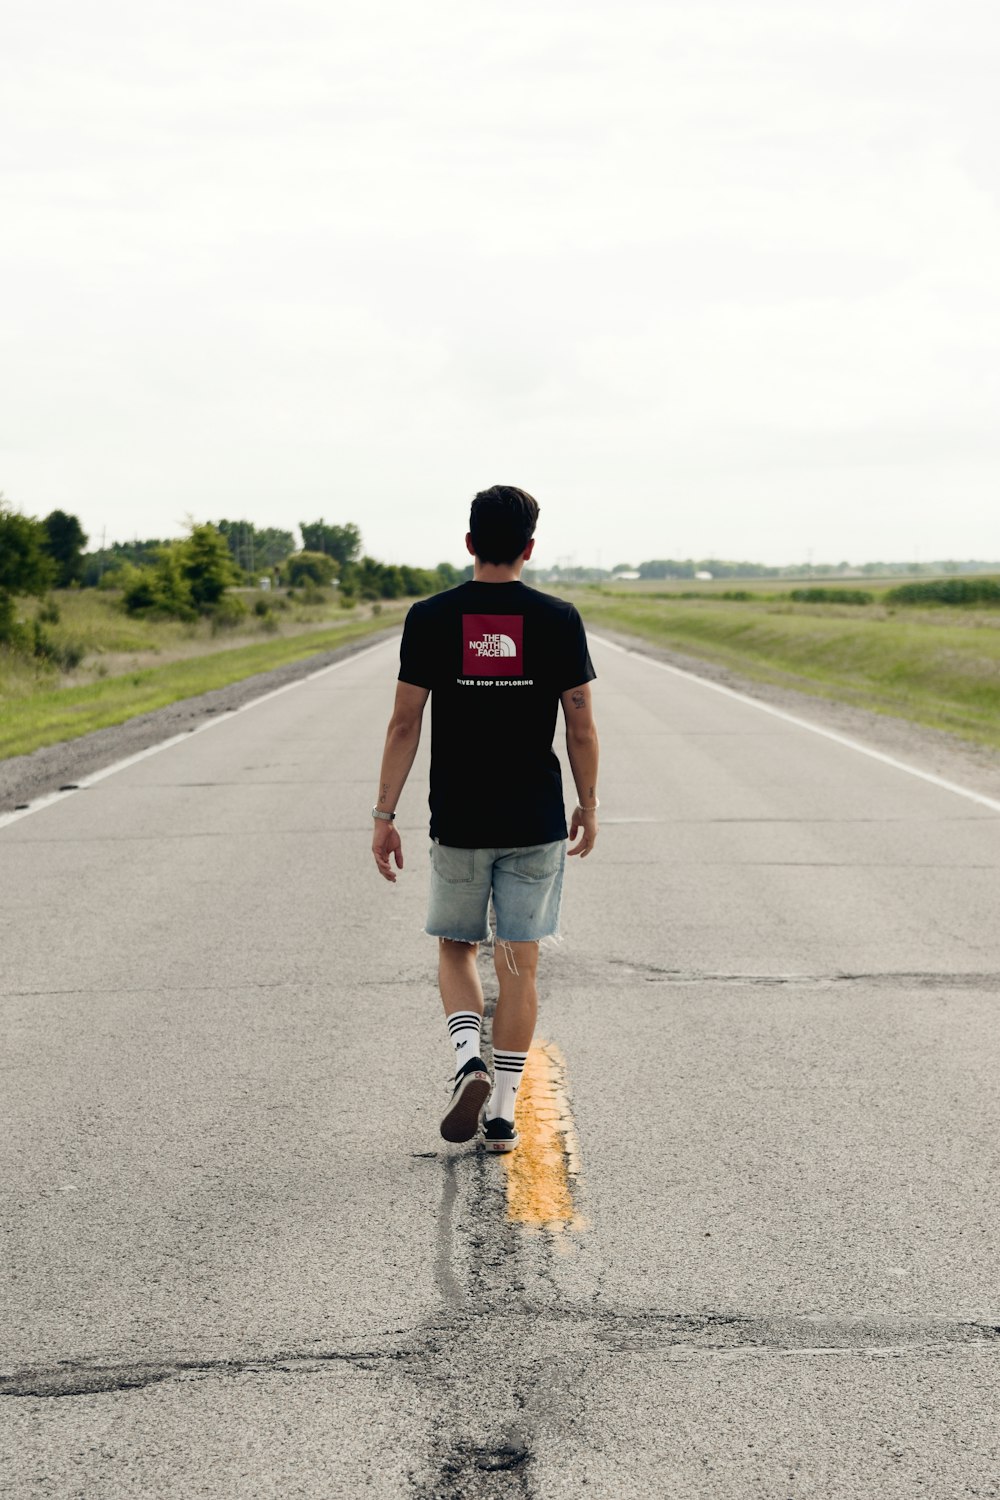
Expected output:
{"points": [[525, 883]]}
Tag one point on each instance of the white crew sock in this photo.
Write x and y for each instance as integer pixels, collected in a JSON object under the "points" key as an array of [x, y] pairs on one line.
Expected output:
{"points": [[464, 1028], [507, 1070]]}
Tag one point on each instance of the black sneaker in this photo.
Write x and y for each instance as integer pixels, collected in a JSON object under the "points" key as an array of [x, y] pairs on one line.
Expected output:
{"points": [[472, 1089], [500, 1135]]}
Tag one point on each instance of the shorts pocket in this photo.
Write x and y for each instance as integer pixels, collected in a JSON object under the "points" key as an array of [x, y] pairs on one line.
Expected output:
{"points": [[453, 866], [537, 861]]}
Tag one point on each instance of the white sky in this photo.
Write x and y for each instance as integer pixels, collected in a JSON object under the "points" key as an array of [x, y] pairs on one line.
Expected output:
{"points": [[705, 277]]}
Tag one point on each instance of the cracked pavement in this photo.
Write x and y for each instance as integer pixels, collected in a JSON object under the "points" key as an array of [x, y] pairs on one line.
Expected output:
{"points": [[239, 1261]]}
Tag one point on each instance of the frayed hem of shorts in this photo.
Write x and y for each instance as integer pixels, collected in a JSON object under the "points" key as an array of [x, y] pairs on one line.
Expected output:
{"points": [[555, 938], [447, 937]]}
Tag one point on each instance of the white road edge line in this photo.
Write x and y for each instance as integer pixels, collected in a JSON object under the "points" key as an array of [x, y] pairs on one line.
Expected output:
{"points": [[186, 735], [827, 734]]}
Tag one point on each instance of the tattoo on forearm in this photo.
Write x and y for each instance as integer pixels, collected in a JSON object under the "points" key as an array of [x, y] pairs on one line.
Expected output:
{"points": [[578, 699], [385, 792]]}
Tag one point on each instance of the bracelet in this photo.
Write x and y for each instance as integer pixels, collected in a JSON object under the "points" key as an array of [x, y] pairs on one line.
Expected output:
{"points": [[385, 817], [580, 807]]}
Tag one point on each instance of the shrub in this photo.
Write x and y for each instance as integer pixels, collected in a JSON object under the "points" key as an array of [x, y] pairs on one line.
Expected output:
{"points": [[831, 596], [206, 565], [160, 590], [25, 568], [189, 577], [314, 567], [391, 584], [71, 654], [311, 594], [227, 613], [66, 654], [418, 581], [958, 591]]}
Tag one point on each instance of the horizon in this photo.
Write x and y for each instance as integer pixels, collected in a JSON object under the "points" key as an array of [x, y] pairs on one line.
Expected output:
{"points": [[567, 564]]}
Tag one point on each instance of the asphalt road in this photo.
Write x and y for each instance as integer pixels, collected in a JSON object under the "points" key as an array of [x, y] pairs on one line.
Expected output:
{"points": [[238, 1261]]}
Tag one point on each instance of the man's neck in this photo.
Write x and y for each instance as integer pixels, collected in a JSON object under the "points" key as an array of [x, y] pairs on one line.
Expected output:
{"points": [[484, 572]]}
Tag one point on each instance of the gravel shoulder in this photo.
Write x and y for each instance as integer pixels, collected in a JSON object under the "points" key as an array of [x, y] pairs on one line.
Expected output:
{"points": [[24, 777]]}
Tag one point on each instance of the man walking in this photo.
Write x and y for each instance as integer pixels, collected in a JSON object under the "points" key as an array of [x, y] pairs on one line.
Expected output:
{"points": [[497, 659]]}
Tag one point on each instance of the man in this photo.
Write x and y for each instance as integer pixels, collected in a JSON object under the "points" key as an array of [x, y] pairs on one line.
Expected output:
{"points": [[498, 658]]}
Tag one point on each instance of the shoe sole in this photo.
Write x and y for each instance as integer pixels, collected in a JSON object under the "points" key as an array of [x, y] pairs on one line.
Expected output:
{"points": [[462, 1119], [500, 1146]]}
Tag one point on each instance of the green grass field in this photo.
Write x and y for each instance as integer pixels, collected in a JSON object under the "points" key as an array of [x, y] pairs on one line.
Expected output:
{"points": [[132, 666], [937, 666]]}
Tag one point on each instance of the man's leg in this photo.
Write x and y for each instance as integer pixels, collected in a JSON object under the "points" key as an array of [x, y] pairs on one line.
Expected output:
{"points": [[513, 1027], [459, 977], [517, 1008], [462, 996]]}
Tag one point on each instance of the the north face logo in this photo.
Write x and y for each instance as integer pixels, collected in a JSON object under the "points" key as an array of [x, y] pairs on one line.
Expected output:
{"points": [[492, 645]]}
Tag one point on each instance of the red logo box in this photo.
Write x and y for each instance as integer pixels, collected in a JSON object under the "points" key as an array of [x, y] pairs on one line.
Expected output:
{"points": [[492, 645]]}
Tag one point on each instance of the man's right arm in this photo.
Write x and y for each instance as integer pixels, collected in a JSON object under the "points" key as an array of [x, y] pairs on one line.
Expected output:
{"points": [[583, 750], [401, 741]]}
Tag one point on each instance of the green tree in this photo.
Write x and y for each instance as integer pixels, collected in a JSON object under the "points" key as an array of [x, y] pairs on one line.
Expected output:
{"points": [[391, 582], [161, 589], [448, 575], [110, 560], [65, 542], [340, 542], [189, 577], [25, 565], [206, 564], [312, 565], [419, 581]]}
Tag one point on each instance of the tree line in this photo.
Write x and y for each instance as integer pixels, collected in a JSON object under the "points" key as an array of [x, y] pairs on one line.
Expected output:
{"points": [[195, 575]]}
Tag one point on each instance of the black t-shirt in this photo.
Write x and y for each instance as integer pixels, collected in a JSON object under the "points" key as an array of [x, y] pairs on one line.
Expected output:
{"points": [[496, 657]]}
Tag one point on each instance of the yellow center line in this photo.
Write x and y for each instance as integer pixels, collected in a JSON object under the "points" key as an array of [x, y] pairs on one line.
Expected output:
{"points": [[541, 1171]]}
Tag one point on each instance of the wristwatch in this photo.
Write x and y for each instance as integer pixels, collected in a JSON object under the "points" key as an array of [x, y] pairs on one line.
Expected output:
{"points": [[385, 817]]}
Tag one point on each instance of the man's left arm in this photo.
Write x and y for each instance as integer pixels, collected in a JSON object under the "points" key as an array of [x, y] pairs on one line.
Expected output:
{"points": [[401, 741]]}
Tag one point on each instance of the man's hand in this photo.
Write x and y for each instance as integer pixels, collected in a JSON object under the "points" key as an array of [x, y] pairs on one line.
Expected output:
{"points": [[584, 823], [386, 842]]}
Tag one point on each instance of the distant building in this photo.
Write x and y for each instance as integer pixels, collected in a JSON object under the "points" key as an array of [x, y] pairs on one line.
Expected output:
{"points": [[626, 577], [705, 577]]}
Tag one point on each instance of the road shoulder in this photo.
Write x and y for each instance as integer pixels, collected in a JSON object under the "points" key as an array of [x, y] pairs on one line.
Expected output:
{"points": [[26, 777], [976, 767]]}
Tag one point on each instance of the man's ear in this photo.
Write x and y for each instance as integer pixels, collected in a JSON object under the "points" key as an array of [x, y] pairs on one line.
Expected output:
{"points": [[529, 549], [468, 544]]}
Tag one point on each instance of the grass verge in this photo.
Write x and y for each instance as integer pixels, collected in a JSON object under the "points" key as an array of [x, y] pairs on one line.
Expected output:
{"points": [[940, 667], [49, 717]]}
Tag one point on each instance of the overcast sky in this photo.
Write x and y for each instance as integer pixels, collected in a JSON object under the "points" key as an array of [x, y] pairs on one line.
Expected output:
{"points": [[705, 277]]}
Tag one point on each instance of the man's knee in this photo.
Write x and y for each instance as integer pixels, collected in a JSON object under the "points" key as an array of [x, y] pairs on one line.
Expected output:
{"points": [[520, 959], [449, 947]]}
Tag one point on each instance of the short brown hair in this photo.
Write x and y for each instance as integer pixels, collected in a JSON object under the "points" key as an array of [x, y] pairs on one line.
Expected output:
{"points": [[502, 522]]}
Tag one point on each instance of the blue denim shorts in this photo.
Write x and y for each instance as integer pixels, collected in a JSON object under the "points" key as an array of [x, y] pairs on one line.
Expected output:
{"points": [[526, 886]]}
